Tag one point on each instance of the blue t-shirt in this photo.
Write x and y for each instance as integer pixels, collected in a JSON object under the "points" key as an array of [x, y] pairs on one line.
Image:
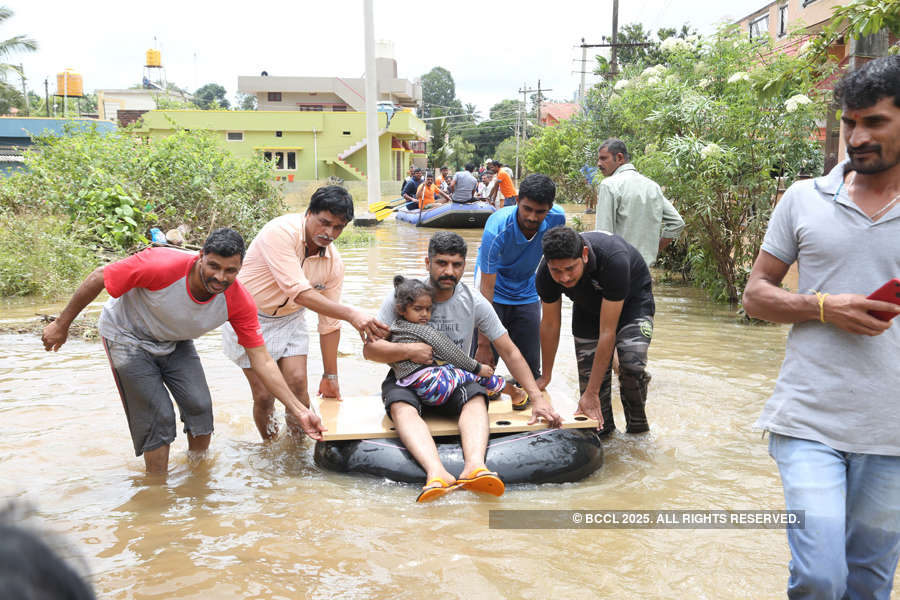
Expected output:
{"points": [[505, 251]]}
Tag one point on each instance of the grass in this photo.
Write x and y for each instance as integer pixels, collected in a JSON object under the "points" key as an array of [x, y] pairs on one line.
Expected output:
{"points": [[41, 256], [354, 237]]}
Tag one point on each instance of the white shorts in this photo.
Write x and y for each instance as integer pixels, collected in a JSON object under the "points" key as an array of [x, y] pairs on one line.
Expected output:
{"points": [[284, 336]]}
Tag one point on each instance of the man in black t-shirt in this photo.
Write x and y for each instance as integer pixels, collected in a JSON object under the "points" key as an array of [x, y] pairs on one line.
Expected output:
{"points": [[610, 287], [411, 185]]}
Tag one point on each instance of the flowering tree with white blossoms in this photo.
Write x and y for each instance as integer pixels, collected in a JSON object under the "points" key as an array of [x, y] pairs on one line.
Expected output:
{"points": [[706, 126]]}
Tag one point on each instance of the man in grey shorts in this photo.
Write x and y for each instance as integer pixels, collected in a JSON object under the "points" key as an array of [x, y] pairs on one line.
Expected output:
{"points": [[457, 313], [161, 299]]}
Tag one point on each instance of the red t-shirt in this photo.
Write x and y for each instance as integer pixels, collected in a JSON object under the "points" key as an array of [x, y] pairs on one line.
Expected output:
{"points": [[152, 305]]}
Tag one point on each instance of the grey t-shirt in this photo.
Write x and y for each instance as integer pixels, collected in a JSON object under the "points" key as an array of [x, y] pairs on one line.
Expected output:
{"points": [[837, 388], [457, 317], [465, 184]]}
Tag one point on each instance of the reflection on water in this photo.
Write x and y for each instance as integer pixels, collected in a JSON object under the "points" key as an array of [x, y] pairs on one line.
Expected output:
{"points": [[256, 521]]}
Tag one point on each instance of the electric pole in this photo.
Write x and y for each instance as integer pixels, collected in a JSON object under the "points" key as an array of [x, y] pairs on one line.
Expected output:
{"points": [[583, 67], [613, 64], [524, 129], [47, 97], [24, 93]]}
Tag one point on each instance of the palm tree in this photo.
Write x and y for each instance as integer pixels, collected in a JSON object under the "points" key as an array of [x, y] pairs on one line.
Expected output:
{"points": [[9, 95], [19, 43]]}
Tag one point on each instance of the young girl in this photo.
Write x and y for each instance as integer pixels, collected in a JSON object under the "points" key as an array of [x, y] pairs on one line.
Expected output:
{"points": [[433, 384]]}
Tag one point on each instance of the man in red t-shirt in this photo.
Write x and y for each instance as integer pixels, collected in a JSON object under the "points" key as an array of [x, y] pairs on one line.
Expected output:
{"points": [[161, 299]]}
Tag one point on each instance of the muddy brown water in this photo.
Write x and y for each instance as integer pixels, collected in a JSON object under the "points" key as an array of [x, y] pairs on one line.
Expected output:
{"points": [[262, 521]]}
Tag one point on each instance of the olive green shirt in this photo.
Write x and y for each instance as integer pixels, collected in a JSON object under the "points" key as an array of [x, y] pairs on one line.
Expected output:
{"points": [[633, 206]]}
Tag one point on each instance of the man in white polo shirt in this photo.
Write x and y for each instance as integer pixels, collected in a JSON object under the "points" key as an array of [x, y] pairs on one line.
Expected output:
{"points": [[834, 417], [161, 299]]}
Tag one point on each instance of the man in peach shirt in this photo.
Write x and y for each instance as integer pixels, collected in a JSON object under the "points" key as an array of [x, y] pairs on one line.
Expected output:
{"points": [[290, 266]]}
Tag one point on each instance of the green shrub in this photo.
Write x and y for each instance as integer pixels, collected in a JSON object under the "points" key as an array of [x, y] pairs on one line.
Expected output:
{"points": [[42, 257]]}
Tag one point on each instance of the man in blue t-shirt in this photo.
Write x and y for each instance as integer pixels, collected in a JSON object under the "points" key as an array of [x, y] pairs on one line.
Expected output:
{"points": [[507, 259]]}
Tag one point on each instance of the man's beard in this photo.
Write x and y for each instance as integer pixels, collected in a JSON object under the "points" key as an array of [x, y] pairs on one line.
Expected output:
{"points": [[873, 161]]}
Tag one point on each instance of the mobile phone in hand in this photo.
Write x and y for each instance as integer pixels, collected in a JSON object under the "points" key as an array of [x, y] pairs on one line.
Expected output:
{"points": [[889, 292]]}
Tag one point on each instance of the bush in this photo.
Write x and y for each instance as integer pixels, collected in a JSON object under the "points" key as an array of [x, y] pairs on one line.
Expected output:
{"points": [[720, 127], [41, 256], [116, 185]]}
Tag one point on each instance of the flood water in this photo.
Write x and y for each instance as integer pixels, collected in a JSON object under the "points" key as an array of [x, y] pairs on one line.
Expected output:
{"points": [[262, 521]]}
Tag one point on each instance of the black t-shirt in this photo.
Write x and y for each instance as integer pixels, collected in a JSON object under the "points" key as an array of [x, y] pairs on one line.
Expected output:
{"points": [[615, 271], [410, 188]]}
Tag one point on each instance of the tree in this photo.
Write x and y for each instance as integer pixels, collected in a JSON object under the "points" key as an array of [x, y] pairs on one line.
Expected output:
{"points": [[460, 151], [17, 43], [211, 97], [640, 56], [246, 101], [488, 133], [439, 93], [704, 124]]}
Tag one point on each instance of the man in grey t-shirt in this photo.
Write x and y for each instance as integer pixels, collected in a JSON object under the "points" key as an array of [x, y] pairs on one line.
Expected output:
{"points": [[463, 185], [834, 416], [457, 312]]}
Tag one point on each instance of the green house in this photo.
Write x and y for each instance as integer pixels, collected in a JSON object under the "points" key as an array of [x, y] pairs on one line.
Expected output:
{"points": [[304, 145]]}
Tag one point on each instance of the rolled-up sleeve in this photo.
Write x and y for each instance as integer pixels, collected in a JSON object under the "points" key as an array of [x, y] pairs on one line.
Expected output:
{"points": [[334, 283], [277, 249], [672, 223]]}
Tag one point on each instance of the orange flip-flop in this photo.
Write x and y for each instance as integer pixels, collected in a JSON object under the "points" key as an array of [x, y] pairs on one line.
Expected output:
{"points": [[484, 481], [433, 492]]}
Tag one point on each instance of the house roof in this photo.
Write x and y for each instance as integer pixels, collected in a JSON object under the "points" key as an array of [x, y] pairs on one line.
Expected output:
{"points": [[559, 111]]}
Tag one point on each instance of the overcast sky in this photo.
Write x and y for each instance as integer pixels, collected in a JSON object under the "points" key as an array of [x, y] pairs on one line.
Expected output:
{"points": [[490, 48]]}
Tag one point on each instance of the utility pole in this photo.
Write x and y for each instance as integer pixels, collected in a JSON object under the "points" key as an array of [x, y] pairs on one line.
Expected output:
{"points": [[373, 146], [583, 63], [613, 63], [524, 129], [47, 97], [24, 93]]}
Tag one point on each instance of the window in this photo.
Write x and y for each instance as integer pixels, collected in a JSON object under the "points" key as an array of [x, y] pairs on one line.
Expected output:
{"points": [[759, 27], [345, 133], [782, 20], [281, 160], [310, 107], [274, 96], [339, 108], [278, 134], [235, 136]]}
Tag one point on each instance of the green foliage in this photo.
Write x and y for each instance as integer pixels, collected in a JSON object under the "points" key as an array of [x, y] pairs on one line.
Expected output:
{"points": [[460, 152], [113, 216], [439, 93], [211, 97], [560, 152], [40, 256], [506, 152], [246, 101], [640, 56], [115, 185], [354, 237], [488, 134], [705, 127]]}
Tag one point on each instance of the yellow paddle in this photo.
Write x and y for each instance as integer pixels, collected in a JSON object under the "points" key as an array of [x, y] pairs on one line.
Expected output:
{"points": [[378, 206]]}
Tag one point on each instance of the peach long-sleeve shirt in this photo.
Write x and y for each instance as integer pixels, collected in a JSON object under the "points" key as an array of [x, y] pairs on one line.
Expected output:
{"points": [[276, 269]]}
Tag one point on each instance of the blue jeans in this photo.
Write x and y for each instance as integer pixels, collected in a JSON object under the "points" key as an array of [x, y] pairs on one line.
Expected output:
{"points": [[851, 541]]}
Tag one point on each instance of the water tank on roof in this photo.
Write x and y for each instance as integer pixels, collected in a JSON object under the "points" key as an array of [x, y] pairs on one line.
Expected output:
{"points": [[69, 83], [154, 58]]}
